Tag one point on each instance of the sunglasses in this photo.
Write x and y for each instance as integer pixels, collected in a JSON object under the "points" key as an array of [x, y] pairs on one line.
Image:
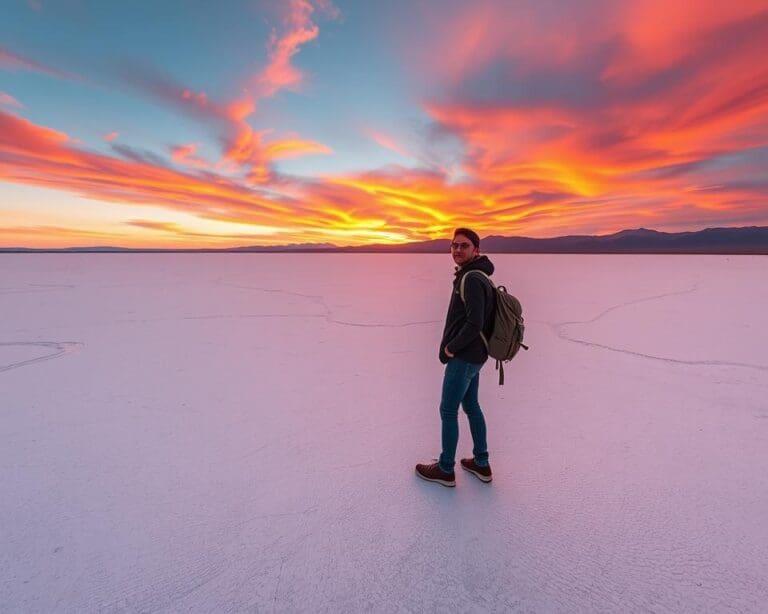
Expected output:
{"points": [[462, 246]]}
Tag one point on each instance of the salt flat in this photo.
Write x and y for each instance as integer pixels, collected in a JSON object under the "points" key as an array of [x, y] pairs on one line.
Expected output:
{"points": [[237, 432]]}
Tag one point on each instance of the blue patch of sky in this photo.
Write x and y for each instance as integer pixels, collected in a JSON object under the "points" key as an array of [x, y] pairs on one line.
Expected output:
{"points": [[353, 80], [353, 84], [201, 44], [747, 159], [86, 113], [197, 44]]}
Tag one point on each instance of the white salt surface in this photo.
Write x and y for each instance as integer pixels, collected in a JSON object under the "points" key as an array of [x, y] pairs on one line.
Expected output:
{"points": [[213, 433]]}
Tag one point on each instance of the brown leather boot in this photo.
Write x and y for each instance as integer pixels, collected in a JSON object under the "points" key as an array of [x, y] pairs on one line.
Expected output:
{"points": [[482, 473], [433, 473]]}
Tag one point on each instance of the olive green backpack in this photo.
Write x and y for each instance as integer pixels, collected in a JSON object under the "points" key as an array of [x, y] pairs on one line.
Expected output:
{"points": [[508, 328]]}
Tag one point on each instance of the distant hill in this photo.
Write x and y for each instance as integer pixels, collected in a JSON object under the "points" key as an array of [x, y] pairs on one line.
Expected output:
{"points": [[746, 240]]}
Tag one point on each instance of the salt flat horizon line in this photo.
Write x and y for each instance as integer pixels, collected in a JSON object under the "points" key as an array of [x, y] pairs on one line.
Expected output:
{"points": [[750, 240]]}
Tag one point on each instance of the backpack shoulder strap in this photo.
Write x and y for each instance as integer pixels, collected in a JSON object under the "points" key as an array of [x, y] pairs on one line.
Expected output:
{"points": [[464, 278], [461, 293]]}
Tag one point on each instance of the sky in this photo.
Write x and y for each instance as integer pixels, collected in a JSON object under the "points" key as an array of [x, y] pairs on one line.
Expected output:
{"points": [[196, 124]]}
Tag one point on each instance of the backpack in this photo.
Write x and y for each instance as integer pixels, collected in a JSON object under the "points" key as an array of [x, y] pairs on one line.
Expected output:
{"points": [[508, 327]]}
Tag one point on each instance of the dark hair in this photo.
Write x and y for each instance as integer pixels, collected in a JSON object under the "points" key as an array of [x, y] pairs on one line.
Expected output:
{"points": [[470, 234]]}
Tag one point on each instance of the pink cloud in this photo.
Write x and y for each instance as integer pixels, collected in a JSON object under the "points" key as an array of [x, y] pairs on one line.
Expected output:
{"points": [[280, 73], [20, 135], [185, 154], [387, 142], [111, 136], [9, 101], [243, 143]]}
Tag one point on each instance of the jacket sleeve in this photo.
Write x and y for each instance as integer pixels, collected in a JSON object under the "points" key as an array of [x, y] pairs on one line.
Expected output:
{"points": [[474, 305]]}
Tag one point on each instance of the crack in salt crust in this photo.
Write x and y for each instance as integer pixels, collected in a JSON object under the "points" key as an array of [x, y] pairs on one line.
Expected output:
{"points": [[60, 349], [559, 327]]}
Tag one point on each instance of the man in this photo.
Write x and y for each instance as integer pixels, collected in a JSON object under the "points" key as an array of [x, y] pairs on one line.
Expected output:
{"points": [[463, 352]]}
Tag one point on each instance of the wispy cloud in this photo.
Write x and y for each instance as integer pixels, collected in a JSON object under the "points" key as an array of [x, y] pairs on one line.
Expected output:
{"points": [[298, 29], [387, 142], [182, 232], [163, 87], [294, 147], [14, 61], [55, 236], [159, 226]]}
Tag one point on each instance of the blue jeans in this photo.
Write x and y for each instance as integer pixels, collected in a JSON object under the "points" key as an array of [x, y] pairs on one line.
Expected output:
{"points": [[460, 384]]}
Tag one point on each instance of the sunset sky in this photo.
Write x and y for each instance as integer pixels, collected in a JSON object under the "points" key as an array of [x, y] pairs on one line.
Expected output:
{"points": [[203, 124]]}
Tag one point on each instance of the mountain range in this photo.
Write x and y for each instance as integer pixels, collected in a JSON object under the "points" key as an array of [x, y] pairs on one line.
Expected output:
{"points": [[745, 240]]}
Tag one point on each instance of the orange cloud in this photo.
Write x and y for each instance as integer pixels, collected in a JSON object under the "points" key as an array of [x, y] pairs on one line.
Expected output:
{"points": [[185, 154], [182, 233], [294, 147], [388, 205], [36, 155], [244, 146], [40, 156], [159, 226], [619, 118]]}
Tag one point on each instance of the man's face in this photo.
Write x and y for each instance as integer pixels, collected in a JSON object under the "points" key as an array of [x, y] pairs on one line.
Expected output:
{"points": [[463, 250]]}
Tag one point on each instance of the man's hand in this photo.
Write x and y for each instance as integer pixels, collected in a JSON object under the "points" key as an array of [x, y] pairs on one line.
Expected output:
{"points": [[448, 353]]}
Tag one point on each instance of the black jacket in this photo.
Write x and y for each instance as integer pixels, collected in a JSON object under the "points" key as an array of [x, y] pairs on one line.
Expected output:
{"points": [[464, 322]]}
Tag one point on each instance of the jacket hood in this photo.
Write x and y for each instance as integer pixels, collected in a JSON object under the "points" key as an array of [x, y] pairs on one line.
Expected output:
{"points": [[481, 263]]}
